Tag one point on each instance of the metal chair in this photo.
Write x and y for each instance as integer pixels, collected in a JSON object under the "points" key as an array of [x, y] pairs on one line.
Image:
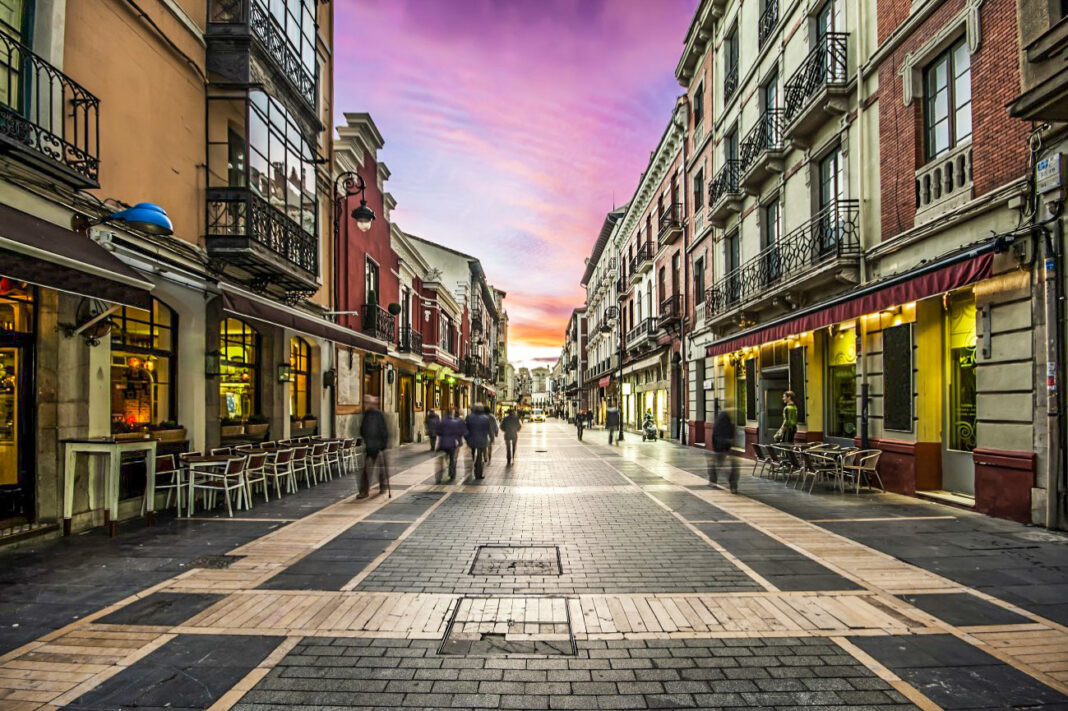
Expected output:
{"points": [[348, 454], [220, 450], [170, 478], [317, 454], [301, 464], [864, 466], [256, 473], [221, 477], [762, 460], [333, 458], [278, 467]]}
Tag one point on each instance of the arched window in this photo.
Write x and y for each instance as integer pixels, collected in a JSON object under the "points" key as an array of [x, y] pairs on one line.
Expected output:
{"points": [[299, 377], [239, 346], [142, 366]]}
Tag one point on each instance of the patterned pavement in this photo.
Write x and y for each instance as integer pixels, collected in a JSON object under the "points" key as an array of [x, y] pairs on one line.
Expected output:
{"points": [[582, 577]]}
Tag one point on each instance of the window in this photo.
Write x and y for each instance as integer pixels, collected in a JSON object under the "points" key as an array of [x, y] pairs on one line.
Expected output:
{"points": [[699, 281], [370, 281], [947, 96], [730, 64], [239, 346], [14, 18], [299, 377], [897, 377], [699, 105], [142, 366], [730, 146], [750, 389], [699, 189], [295, 20], [661, 283], [770, 227], [731, 259], [842, 383], [797, 379]]}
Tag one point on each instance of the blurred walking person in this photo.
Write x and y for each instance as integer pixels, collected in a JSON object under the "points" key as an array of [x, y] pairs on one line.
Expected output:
{"points": [[451, 431], [611, 422], [478, 432], [495, 430], [375, 436], [722, 439], [432, 421], [580, 422], [511, 425]]}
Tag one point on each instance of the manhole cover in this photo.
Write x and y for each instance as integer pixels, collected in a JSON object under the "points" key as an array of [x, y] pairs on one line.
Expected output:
{"points": [[214, 561], [500, 627], [1042, 537], [516, 560]]}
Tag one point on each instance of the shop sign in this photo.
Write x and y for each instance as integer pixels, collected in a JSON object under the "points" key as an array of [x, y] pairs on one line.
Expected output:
{"points": [[626, 388], [707, 385]]}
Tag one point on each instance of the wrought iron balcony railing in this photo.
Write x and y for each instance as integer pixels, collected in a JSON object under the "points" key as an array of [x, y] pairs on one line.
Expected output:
{"points": [[766, 135], [832, 233], [725, 182], [642, 257], [670, 309], [645, 329], [47, 118], [476, 321], [246, 231], [730, 82], [769, 18], [379, 323], [824, 66], [671, 224], [410, 341], [253, 18]]}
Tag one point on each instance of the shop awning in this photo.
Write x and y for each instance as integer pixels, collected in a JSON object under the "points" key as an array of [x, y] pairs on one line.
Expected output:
{"points": [[43, 253], [928, 280], [245, 305]]}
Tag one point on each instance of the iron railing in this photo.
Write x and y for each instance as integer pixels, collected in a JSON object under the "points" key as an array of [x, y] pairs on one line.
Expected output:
{"points": [[730, 82], [769, 18], [670, 223], [641, 256], [272, 37], [645, 329], [832, 233], [622, 284], [824, 66], [766, 135], [671, 309], [476, 321], [410, 340], [236, 212], [379, 323], [48, 115], [725, 182]]}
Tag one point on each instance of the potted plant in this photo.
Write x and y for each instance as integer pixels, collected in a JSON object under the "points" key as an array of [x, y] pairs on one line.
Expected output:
{"points": [[256, 427], [310, 422], [124, 431], [167, 431], [232, 427]]}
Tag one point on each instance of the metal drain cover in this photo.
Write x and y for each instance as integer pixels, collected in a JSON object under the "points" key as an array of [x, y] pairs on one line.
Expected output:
{"points": [[216, 562], [500, 627], [516, 560]]}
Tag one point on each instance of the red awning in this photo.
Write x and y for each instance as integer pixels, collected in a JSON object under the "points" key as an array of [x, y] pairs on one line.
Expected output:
{"points": [[868, 300], [605, 381]]}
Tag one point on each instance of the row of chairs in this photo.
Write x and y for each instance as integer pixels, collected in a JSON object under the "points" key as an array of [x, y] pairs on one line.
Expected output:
{"points": [[808, 464], [284, 464]]}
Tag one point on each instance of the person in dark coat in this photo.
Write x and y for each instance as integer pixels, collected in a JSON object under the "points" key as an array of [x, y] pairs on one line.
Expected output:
{"points": [[495, 430], [580, 423], [432, 421], [722, 439], [611, 422], [375, 436], [478, 436], [511, 425], [451, 431]]}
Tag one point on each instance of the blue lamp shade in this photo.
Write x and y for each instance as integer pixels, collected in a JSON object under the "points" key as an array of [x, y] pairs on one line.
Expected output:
{"points": [[146, 217]]}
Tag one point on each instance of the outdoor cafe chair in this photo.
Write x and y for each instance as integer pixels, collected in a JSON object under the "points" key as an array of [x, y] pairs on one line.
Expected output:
{"points": [[169, 478], [762, 460], [220, 477], [820, 464], [220, 450], [242, 447], [256, 473], [278, 467], [864, 466], [301, 463], [348, 454], [333, 458], [318, 462]]}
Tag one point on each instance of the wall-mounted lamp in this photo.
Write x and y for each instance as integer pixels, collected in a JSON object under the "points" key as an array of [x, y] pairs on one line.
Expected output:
{"points": [[212, 364], [285, 373], [329, 378], [353, 184], [144, 217]]}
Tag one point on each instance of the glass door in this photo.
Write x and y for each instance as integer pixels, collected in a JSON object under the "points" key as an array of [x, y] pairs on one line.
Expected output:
{"points": [[959, 440], [17, 479], [831, 191]]}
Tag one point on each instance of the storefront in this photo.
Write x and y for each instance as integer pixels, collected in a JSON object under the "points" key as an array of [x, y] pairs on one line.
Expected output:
{"points": [[17, 339]]}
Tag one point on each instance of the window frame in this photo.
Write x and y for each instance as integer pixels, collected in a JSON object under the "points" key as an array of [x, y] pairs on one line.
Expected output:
{"points": [[948, 57]]}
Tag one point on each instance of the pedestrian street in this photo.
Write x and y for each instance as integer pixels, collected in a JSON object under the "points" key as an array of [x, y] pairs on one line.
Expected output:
{"points": [[581, 577]]}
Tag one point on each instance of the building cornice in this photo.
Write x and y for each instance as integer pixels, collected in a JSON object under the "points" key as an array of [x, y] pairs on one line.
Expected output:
{"points": [[664, 155]]}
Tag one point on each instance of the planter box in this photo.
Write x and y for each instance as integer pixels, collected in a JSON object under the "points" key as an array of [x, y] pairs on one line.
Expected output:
{"points": [[258, 431], [129, 436], [174, 435], [233, 430], [310, 424]]}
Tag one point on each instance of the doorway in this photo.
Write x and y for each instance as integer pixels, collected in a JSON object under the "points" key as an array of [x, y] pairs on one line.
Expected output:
{"points": [[17, 473], [959, 440], [406, 405], [773, 383]]}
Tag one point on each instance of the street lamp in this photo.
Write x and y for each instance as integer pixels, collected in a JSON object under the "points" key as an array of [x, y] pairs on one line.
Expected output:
{"points": [[144, 216], [353, 184]]}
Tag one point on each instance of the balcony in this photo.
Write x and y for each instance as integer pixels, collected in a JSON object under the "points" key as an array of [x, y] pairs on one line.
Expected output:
{"points": [[671, 224], [476, 321], [769, 18], [730, 82], [944, 184], [641, 262], [670, 311], [817, 92], [622, 284], [379, 323], [642, 335], [724, 193], [762, 151], [824, 250], [410, 341], [47, 120], [247, 232], [235, 27]]}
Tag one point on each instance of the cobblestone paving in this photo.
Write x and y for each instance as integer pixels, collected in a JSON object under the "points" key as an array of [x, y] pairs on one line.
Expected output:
{"points": [[670, 594]]}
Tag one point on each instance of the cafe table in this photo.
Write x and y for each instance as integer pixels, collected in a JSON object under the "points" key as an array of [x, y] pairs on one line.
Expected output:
{"points": [[113, 449]]}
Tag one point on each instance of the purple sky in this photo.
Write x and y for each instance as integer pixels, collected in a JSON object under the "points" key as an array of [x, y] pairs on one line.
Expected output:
{"points": [[511, 128]]}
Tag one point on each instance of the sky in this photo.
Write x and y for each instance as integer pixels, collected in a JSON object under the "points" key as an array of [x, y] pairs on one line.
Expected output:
{"points": [[512, 127]]}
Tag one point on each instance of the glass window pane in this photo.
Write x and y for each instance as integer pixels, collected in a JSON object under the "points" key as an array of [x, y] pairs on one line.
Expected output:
{"points": [[941, 137], [963, 127]]}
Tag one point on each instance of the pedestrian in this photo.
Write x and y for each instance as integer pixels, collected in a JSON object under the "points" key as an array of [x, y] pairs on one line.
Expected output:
{"points": [[494, 431], [580, 421], [375, 436], [432, 421], [788, 428], [451, 431], [611, 422], [478, 432], [722, 439], [511, 425]]}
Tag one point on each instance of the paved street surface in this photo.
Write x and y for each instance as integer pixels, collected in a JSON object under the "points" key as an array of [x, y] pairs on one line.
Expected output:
{"points": [[582, 577]]}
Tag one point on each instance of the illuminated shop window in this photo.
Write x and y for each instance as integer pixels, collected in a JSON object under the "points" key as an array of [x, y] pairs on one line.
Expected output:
{"points": [[299, 376], [142, 366], [960, 327], [239, 365], [842, 382]]}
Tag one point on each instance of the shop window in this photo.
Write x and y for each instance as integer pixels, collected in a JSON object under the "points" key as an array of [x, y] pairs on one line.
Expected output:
{"points": [[142, 366], [842, 383], [739, 392], [797, 380], [699, 281], [239, 346], [947, 93], [961, 370], [897, 378], [16, 398], [750, 388], [299, 377]]}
